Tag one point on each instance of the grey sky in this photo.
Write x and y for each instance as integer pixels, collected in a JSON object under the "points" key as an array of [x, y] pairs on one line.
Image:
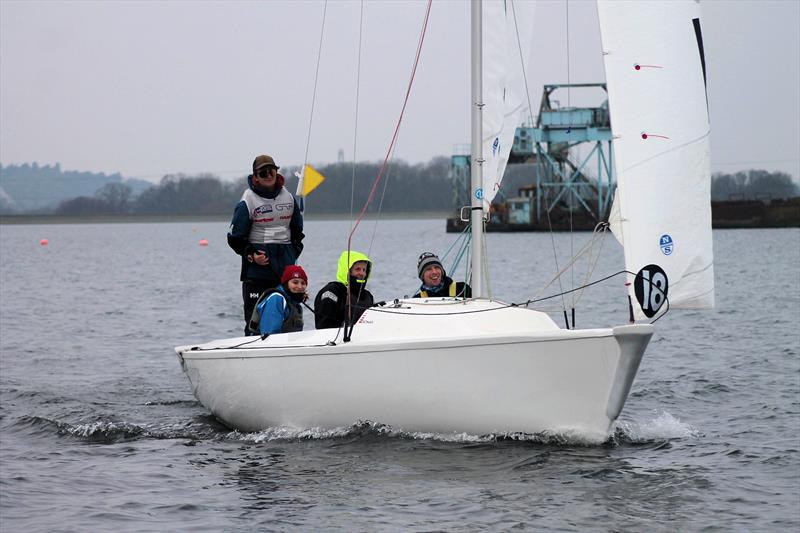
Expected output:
{"points": [[147, 88]]}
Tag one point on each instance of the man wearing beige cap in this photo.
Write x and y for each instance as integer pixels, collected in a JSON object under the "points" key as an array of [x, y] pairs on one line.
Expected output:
{"points": [[266, 230]]}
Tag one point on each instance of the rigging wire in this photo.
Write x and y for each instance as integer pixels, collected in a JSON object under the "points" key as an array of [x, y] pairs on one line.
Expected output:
{"points": [[586, 249], [572, 191], [380, 208], [392, 149], [385, 164], [358, 99], [545, 193], [591, 265], [396, 129], [485, 257], [380, 309], [525, 303], [247, 344], [353, 177], [463, 245], [316, 79]]}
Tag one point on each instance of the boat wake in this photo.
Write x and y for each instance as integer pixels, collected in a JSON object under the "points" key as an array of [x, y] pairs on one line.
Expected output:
{"points": [[105, 431], [663, 427], [96, 432]]}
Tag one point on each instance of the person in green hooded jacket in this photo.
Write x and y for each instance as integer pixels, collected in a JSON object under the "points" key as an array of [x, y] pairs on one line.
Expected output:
{"points": [[331, 305]]}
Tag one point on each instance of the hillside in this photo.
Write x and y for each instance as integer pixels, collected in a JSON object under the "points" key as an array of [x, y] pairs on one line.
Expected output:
{"points": [[41, 188]]}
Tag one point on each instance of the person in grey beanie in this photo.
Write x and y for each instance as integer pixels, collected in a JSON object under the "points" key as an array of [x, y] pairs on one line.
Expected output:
{"points": [[435, 282]]}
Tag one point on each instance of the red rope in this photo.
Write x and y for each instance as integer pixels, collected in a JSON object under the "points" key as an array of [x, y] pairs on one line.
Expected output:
{"points": [[396, 129]]}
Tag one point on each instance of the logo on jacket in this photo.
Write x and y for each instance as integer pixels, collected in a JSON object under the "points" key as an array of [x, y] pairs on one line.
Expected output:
{"points": [[666, 244], [260, 210], [329, 296], [283, 207]]}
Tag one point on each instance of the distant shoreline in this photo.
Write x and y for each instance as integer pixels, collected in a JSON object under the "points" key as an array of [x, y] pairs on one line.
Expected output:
{"points": [[160, 219]]}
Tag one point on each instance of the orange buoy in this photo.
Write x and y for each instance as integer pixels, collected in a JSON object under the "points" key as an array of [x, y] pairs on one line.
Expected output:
{"points": [[44, 242], [203, 242]]}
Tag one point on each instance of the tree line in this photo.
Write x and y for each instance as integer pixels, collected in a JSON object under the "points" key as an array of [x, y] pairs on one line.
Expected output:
{"points": [[753, 185], [403, 188]]}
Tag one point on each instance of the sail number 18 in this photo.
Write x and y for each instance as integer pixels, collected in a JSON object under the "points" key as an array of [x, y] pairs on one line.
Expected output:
{"points": [[650, 287]]}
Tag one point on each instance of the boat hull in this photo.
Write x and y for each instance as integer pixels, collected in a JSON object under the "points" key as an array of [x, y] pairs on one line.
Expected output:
{"points": [[543, 380]]}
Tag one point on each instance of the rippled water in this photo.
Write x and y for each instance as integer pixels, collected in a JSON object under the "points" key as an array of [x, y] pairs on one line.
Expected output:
{"points": [[99, 429]]}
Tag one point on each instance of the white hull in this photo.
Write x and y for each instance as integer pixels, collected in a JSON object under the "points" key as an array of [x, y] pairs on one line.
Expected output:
{"points": [[429, 366]]}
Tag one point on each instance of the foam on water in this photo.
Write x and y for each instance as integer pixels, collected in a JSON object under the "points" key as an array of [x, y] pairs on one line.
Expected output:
{"points": [[358, 430], [663, 426], [105, 431], [368, 429], [99, 431]]}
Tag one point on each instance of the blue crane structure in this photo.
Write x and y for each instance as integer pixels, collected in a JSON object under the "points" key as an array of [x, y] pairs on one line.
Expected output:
{"points": [[563, 146]]}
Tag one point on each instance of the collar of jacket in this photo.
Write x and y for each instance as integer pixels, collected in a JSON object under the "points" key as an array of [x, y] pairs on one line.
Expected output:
{"points": [[264, 193]]}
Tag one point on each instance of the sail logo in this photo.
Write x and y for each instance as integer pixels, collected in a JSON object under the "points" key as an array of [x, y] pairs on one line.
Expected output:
{"points": [[666, 244], [495, 146]]}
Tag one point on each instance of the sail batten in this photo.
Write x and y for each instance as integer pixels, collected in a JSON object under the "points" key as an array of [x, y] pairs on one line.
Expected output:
{"points": [[702, 138], [656, 78]]}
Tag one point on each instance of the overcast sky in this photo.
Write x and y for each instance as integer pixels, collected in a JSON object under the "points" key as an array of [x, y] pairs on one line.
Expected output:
{"points": [[147, 88]]}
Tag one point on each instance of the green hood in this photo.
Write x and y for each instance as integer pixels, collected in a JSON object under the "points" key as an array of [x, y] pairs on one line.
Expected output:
{"points": [[345, 266]]}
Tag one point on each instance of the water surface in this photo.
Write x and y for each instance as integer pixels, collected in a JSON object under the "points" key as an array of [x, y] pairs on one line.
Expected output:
{"points": [[99, 429]]}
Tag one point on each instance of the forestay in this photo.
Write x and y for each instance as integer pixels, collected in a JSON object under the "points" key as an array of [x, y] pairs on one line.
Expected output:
{"points": [[655, 71], [504, 95]]}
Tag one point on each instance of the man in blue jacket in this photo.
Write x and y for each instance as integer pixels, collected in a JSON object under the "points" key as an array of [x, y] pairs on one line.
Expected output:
{"points": [[266, 230]]}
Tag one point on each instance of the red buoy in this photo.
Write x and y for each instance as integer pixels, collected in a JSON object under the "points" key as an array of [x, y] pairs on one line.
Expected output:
{"points": [[44, 242], [203, 242]]}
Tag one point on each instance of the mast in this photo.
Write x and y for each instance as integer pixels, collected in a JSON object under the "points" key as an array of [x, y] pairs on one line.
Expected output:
{"points": [[476, 153]]}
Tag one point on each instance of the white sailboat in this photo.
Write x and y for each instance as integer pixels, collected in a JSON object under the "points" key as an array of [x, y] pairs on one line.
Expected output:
{"points": [[485, 367]]}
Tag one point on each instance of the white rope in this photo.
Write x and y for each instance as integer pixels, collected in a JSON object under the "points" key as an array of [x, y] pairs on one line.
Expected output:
{"points": [[598, 234]]}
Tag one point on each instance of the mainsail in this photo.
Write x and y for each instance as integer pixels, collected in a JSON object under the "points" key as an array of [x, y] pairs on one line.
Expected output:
{"points": [[504, 96], [655, 71]]}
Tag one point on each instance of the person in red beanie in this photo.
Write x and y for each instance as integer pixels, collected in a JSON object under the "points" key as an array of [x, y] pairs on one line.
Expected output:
{"points": [[280, 310]]}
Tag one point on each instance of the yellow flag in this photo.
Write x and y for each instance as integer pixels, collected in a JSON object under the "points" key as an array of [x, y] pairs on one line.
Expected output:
{"points": [[311, 180]]}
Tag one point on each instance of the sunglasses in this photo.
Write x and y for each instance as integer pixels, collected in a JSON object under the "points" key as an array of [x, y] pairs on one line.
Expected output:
{"points": [[265, 173]]}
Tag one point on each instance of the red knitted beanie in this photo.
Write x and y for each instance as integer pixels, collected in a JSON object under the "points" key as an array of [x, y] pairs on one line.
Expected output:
{"points": [[292, 272]]}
